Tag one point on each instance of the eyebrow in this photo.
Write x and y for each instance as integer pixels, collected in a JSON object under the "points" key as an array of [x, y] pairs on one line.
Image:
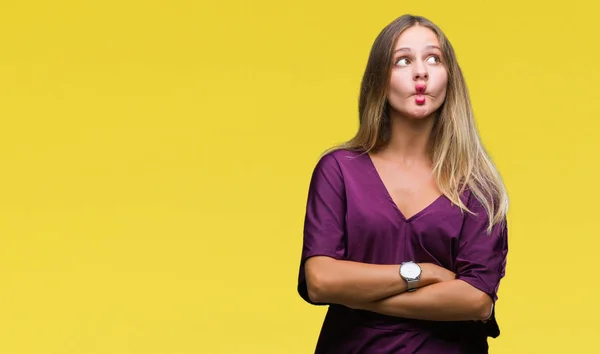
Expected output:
{"points": [[406, 49]]}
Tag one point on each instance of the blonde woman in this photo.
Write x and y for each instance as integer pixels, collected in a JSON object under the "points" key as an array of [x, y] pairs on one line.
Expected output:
{"points": [[405, 234]]}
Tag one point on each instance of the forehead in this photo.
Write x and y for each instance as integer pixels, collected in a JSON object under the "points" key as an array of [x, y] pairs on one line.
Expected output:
{"points": [[417, 37]]}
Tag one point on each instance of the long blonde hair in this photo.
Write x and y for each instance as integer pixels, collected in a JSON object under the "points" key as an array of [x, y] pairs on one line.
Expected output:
{"points": [[459, 159]]}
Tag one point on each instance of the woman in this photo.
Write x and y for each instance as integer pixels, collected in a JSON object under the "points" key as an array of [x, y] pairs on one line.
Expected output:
{"points": [[405, 232]]}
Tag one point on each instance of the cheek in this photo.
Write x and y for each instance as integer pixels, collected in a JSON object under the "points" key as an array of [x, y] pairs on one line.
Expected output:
{"points": [[400, 83], [440, 83]]}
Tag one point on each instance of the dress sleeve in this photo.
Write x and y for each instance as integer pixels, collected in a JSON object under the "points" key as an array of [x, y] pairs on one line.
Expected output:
{"points": [[324, 223], [481, 257]]}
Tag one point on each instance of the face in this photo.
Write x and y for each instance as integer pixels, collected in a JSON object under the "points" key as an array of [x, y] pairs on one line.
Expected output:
{"points": [[419, 78]]}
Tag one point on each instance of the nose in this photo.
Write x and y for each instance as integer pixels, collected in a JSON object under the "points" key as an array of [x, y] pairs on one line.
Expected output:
{"points": [[420, 72]]}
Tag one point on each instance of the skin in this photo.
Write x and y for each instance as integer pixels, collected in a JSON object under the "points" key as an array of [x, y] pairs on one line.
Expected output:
{"points": [[417, 63], [404, 164], [417, 89]]}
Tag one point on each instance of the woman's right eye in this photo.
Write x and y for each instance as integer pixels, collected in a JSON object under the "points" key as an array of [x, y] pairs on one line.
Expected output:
{"points": [[402, 62]]}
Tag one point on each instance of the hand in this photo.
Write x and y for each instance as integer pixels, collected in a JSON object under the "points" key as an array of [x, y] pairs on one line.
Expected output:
{"points": [[445, 274], [432, 273]]}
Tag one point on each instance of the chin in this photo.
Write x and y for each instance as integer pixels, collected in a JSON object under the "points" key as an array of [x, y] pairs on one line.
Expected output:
{"points": [[421, 112], [415, 112]]}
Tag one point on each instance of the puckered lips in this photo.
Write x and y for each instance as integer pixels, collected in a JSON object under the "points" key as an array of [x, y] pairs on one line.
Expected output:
{"points": [[420, 94]]}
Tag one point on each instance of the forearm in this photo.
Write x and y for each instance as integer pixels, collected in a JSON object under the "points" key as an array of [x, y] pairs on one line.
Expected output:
{"points": [[345, 282], [453, 300]]}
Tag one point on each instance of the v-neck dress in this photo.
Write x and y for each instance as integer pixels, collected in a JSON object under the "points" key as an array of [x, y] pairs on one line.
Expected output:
{"points": [[350, 215]]}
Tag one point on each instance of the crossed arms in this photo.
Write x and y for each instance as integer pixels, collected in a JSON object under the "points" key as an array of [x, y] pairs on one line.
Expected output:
{"points": [[379, 288]]}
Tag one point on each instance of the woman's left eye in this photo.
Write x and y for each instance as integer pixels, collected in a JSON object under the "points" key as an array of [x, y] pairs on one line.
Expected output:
{"points": [[433, 59]]}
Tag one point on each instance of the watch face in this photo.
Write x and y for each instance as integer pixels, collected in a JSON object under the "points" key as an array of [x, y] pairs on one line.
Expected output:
{"points": [[410, 270]]}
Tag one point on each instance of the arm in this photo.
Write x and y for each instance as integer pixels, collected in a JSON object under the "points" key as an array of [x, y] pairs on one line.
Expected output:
{"points": [[344, 282], [480, 265], [453, 300]]}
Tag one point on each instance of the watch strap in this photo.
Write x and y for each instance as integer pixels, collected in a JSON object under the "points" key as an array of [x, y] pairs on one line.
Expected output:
{"points": [[412, 284]]}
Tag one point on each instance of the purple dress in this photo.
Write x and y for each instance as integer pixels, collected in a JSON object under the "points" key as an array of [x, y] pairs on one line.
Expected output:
{"points": [[350, 215]]}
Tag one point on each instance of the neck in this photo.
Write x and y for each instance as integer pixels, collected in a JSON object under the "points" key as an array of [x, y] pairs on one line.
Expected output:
{"points": [[409, 139]]}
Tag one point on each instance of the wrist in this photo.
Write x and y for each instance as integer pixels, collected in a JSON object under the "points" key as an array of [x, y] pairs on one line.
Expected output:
{"points": [[411, 273]]}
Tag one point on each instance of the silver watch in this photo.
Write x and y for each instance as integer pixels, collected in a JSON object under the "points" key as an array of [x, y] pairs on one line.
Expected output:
{"points": [[411, 272]]}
